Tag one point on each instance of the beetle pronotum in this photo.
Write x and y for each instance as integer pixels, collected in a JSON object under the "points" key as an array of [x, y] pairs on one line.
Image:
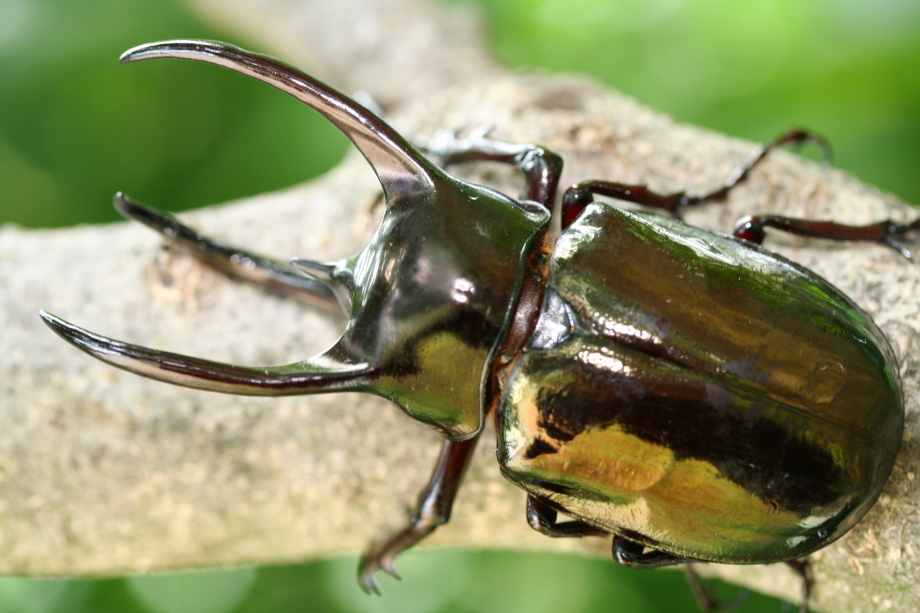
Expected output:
{"points": [[606, 383]]}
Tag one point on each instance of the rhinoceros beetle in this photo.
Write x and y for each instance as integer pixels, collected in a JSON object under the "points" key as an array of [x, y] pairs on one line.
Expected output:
{"points": [[690, 393]]}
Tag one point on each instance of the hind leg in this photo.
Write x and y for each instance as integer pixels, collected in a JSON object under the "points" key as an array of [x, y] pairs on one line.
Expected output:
{"points": [[885, 232]]}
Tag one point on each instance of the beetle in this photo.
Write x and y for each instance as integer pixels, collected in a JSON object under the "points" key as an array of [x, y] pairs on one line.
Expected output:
{"points": [[693, 394]]}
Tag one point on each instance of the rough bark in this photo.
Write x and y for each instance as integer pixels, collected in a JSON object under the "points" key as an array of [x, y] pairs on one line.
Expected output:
{"points": [[102, 472]]}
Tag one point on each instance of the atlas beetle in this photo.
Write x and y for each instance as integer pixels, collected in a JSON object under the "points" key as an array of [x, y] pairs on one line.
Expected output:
{"points": [[692, 394]]}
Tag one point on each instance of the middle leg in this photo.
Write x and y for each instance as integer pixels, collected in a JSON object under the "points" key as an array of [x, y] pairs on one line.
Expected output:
{"points": [[580, 195], [542, 518]]}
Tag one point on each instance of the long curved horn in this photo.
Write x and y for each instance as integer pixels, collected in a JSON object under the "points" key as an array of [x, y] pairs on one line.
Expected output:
{"points": [[402, 170], [327, 372]]}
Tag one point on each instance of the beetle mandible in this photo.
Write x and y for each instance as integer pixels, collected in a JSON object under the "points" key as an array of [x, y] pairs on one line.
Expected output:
{"points": [[731, 407]]}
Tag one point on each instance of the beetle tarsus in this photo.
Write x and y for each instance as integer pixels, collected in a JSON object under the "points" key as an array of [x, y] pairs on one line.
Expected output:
{"points": [[382, 557], [367, 581], [795, 137], [371, 562]]}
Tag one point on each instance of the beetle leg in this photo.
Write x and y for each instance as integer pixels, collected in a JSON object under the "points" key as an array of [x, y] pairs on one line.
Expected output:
{"points": [[541, 167], [580, 195], [433, 510], [634, 555], [542, 518], [885, 232], [705, 599], [796, 136], [803, 569], [232, 261]]}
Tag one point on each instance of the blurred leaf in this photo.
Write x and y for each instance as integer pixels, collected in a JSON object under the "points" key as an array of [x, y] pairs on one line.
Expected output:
{"points": [[214, 591], [40, 595], [76, 126], [849, 69]]}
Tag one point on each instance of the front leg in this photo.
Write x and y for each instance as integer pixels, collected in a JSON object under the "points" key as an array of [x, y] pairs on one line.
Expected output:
{"points": [[541, 167], [433, 510]]}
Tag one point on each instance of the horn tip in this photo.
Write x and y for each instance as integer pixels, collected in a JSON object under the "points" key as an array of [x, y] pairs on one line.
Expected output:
{"points": [[53, 321], [72, 334], [131, 209], [99, 347], [122, 203], [170, 48], [139, 52]]}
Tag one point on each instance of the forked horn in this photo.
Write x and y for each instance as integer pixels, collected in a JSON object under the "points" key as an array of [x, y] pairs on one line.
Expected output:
{"points": [[326, 372], [401, 169], [340, 281]]}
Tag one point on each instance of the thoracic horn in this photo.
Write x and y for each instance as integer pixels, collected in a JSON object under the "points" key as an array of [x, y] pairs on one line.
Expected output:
{"points": [[402, 170]]}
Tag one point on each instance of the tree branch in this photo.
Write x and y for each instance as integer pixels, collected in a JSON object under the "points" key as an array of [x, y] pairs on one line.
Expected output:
{"points": [[102, 472]]}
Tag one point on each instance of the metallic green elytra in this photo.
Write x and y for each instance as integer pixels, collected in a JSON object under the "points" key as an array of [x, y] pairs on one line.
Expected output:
{"points": [[691, 393], [721, 401]]}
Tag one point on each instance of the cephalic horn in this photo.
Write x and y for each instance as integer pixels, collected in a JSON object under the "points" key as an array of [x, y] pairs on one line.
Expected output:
{"points": [[330, 371], [401, 169]]}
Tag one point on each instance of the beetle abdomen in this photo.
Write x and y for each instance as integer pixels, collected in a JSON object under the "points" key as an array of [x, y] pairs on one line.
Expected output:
{"points": [[708, 395]]}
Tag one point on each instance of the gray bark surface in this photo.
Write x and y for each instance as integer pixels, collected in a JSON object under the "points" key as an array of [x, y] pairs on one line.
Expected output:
{"points": [[103, 472]]}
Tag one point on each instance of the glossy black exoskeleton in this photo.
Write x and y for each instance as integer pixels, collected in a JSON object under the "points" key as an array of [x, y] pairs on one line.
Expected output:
{"points": [[692, 394]]}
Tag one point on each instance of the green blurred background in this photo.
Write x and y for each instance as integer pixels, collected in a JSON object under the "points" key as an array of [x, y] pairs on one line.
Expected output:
{"points": [[75, 127]]}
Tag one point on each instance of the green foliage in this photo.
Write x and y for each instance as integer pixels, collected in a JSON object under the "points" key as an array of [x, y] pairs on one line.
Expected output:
{"points": [[76, 126], [436, 582], [847, 69]]}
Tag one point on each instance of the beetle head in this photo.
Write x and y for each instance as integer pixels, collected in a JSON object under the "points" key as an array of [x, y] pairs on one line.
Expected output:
{"points": [[428, 298]]}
